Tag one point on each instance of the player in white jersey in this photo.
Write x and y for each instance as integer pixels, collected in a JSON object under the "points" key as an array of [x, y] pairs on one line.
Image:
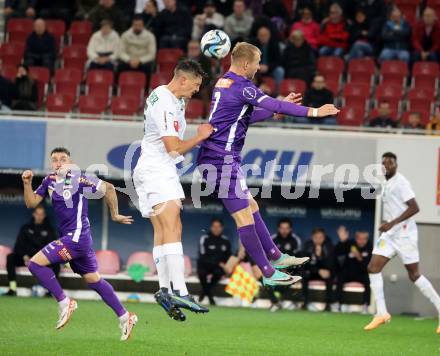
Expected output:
{"points": [[398, 237], [157, 181]]}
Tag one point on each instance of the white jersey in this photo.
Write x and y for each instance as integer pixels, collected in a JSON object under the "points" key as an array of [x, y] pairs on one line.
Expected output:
{"points": [[164, 115], [396, 192]]}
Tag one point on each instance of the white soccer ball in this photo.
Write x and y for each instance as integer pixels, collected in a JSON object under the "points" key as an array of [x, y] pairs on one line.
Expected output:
{"points": [[215, 44]]}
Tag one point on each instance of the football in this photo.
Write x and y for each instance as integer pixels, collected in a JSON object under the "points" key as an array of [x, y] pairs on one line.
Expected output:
{"points": [[215, 44]]}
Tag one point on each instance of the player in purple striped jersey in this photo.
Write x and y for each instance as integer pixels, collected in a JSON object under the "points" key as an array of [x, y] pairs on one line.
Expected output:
{"points": [[69, 192], [237, 103]]}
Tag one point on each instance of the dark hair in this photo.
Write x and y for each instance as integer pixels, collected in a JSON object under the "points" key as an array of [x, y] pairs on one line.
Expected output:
{"points": [[317, 230], [389, 155], [60, 150], [284, 221], [190, 66], [22, 65], [138, 17], [215, 219]]}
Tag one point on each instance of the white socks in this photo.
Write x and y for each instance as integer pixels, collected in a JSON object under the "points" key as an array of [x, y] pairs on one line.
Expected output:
{"points": [[376, 284], [64, 303], [428, 291], [161, 267], [173, 253], [123, 318]]}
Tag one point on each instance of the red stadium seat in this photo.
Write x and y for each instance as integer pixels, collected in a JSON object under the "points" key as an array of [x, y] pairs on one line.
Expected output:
{"points": [[124, 105], [132, 83], [57, 29], [421, 105], [292, 85], [351, 116], [158, 79], [425, 74], [421, 93], [18, 30], [80, 32], [361, 70], [42, 76], [331, 67], [75, 56], [356, 94], [389, 92], [99, 82], [12, 53], [108, 262], [67, 81], [187, 266], [144, 259], [4, 252], [166, 67], [90, 104], [333, 86], [424, 114], [9, 72], [393, 72], [60, 103], [169, 55], [270, 82], [194, 109]]}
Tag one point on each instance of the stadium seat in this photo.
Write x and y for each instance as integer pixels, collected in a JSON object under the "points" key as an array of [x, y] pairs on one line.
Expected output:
{"points": [[391, 93], [425, 75], [132, 83], [166, 67], [187, 266], [158, 79], [421, 93], [60, 103], [42, 76], [12, 53], [361, 70], [168, 55], [194, 109], [331, 67], [270, 82], [124, 105], [67, 81], [394, 72], [292, 85], [4, 252], [356, 94], [144, 259], [80, 32], [351, 116], [18, 30], [333, 86], [99, 82], [421, 105], [90, 104], [57, 29], [75, 56], [424, 114], [9, 72], [108, 262]]}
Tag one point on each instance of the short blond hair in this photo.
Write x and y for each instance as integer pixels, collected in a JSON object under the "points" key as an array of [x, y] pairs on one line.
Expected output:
{"points": [[244, 51]]}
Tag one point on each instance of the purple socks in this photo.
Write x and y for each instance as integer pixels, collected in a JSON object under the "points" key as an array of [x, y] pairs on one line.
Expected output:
{"points": [[107, 293], [272, 251], [47, 279], [252, 244]]}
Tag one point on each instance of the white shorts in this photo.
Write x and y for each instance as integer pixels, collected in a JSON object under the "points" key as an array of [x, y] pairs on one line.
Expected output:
{"points": [[404, 245], [156, 187]]}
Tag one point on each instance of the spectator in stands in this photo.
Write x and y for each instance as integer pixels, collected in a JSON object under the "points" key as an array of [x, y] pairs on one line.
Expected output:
{"points": [[138, 48], [333, 39], [318, 95], [24, 90], [6, 89], [319, 8], [434, 124], [352, 258], [270, 64], [84, 8], [320, 267], [298, 58], [40, 47], [150, 13], [107, 10], [174, 26], [308, 27], [20, 8], [285, 239], [31, 238], [56, 9], [414, 121], [426, 37], [210, 19], [239, 23], [384, 118], [104, 47], [214, 252], [360, 36], [375, 11], [396, 37]]}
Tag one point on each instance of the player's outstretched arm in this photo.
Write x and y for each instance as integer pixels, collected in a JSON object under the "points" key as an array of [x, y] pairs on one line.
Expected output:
{"points": [[259, 114], [413, 209], [31, 199], [175, 146], [111, 200]]}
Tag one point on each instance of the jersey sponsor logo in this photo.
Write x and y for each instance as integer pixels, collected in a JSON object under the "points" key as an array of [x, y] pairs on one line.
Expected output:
{"points": [[224, 83], [65, 254], [176, 125], [249, 93], [153, 98]]}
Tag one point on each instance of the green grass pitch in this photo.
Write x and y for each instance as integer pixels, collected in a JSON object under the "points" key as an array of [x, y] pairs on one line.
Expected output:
{"points": [[27, 328]]}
